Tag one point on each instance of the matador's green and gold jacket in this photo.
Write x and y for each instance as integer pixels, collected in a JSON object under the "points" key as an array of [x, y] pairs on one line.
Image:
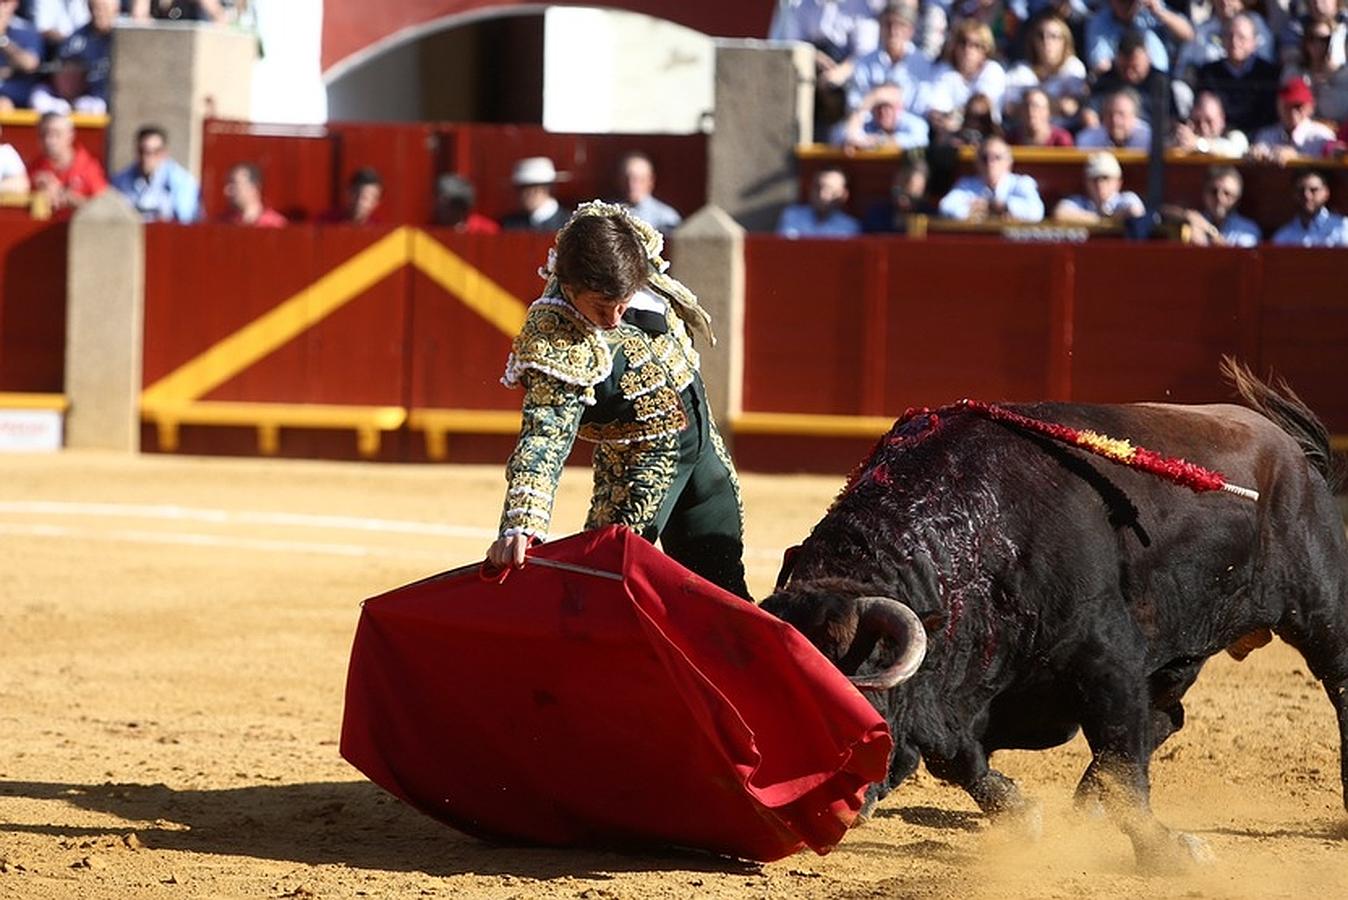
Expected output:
{"points": [[618, 388]]}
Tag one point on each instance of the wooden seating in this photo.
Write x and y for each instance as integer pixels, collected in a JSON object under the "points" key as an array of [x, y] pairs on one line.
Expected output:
{"points": [[368, 422], [438, 424]]}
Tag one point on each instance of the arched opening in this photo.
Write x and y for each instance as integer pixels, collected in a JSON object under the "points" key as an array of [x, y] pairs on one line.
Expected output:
{"points": [[567, 68]]}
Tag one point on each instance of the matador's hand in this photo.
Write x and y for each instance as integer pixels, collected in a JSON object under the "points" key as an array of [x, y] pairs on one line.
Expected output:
{"points": [[508, 551]]}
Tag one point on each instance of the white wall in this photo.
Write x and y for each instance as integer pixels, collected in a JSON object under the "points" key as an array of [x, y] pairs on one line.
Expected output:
{"points": [[624, 72], [288, 78]]}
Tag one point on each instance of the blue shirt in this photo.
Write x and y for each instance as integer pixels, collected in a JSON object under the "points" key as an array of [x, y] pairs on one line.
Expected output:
{"points": [[912, 131], [92, 50], [17, 86], [171, 194], [1019, 193], [1110, 206], [1102, 38], [1098, 139], [876, 68], [1238, 231], [798, 220], [1326, 229], [659, 215]]}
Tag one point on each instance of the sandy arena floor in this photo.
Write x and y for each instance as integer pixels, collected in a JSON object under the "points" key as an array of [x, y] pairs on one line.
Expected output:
{"points": [[175, 634]]}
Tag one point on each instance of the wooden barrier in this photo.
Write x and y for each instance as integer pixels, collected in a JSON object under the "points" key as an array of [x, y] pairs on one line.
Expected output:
{"points": [[1267, 195], [306, 167], [842, 336], [32, 305]]}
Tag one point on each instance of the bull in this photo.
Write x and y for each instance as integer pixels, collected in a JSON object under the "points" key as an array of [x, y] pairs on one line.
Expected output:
{"points": [[993, 588]]}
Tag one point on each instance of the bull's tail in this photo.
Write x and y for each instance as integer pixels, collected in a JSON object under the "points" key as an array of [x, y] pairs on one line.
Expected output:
{"points": [[1280, 403]]}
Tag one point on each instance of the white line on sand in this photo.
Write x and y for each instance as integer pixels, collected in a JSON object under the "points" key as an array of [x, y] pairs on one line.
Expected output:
{"points": [[177, 513]]}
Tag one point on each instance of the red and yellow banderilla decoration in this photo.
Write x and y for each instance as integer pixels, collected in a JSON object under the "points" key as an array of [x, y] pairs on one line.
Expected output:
{"points": [[1180, 471]]}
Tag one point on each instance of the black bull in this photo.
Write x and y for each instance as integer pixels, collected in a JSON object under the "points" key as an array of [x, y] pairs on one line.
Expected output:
{"points": [[1060, 591]]}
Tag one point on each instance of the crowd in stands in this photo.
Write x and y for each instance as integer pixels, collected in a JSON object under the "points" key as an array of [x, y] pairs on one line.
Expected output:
{"points": [[1264, 80]]}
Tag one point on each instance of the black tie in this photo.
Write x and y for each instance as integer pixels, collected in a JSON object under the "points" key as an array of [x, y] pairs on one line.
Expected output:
{"points": [[647, 320]]}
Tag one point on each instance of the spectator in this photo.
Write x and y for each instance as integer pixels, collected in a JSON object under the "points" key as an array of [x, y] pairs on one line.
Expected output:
{"points": [[533, 178], [180, 10], [158, 186], [881, 121], [968, 69], [894, 61], [907, 197], [1327, 11], [1297, 133], [1034, 125], [57, 20], [1217, 224], [1103, 199], [1206, 131], [1209, 44], [1133, 69], [13, 173], [455, 197], [364, 193], [1119, 126], [1314, 225], [1247, 84], [1151, 17], [20, 55], [995, 192], [243, 190], [823, 216], [977, 123], [636, 176], [84, 61], [1315, 64], [842, 32], [64, 171], [1051, 64]]}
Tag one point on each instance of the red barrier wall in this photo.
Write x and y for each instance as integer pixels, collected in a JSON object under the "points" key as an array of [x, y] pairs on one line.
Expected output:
{"points": [[306, 169], [876, 325], [32, 304]]}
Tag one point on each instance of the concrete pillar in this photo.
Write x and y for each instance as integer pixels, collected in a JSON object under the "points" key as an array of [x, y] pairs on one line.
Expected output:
{"points": [[709, 249], [177, 75], [764, 110], [105, 315]]}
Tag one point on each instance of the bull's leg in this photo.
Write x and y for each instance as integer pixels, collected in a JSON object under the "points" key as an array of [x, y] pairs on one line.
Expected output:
{"points": [[998, 796], [1117, 718], [1325, 649]]}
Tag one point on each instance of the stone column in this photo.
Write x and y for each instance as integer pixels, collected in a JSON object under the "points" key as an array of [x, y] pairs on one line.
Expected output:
{"points": [[105, 315], [709, 249], [177, 75], [764, 110]]}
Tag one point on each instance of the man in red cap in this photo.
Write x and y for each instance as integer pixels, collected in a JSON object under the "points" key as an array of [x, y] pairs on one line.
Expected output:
{"points": [[1297, 133]]}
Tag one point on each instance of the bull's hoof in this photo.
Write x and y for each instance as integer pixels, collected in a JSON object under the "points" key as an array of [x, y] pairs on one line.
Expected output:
{"points": [[1025, 820], [1178, 852], [864, 814]]}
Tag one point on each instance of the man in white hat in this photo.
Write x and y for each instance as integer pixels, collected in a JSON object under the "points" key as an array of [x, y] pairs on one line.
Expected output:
{"points": [[1104, 199], [533, 178]]}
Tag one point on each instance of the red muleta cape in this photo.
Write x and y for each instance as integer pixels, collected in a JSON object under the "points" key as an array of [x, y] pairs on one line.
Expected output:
{"points": [[649, 709]]}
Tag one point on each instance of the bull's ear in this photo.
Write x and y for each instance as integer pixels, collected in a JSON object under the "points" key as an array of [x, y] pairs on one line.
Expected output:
{"points": [[935, 620]]}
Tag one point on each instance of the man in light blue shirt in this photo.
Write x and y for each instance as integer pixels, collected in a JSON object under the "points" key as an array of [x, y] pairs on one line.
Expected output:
{"points": [[895, 61], [882, 122], [823, 216], [1103, 198], [1106, 27], [636, 179], [1314, 225], [158, 187], [995, 192]]}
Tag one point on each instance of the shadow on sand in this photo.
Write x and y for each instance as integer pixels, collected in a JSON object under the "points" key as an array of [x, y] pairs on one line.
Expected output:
{"points": [[352, 823]]}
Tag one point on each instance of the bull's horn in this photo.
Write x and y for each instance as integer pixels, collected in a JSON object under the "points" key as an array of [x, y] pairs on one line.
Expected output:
{"points": [[890, 617]]}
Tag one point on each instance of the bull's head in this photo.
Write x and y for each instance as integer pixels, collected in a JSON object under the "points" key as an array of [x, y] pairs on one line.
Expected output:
{"points": [[847, 626]]}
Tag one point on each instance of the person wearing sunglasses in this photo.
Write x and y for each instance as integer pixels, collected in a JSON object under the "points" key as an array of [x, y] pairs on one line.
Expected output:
{"points": [[995, 192]]}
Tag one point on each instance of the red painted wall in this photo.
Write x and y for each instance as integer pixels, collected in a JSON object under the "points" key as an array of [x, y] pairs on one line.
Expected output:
{"points": [[876, 325], [32, 303]]}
